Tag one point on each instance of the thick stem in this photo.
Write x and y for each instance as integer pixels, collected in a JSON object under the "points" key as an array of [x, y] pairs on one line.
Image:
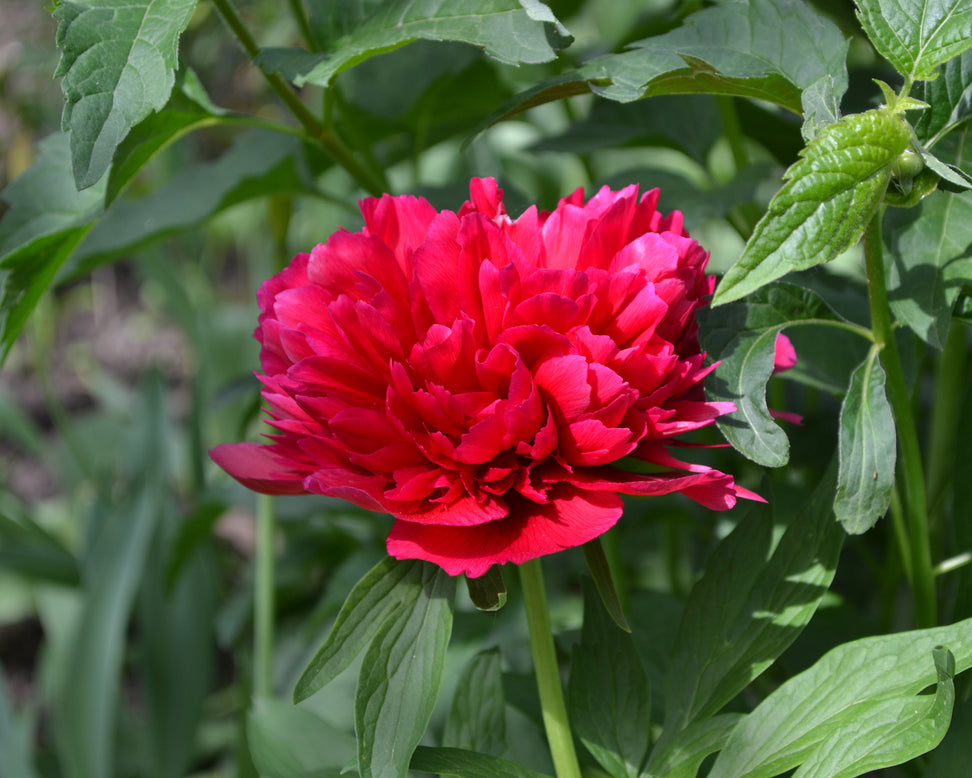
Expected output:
{"points": [[910, 470], [548, 676], [367, 179], [263, 598]]}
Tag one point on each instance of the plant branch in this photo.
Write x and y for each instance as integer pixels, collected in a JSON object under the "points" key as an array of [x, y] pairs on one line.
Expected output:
{"points": [[910, 470], [263, 599]]}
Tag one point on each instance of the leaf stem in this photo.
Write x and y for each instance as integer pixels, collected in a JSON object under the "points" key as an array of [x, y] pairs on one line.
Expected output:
{"points": [[910, 471], [300, 16], [547, 673], [369, 180], [263, 597]]}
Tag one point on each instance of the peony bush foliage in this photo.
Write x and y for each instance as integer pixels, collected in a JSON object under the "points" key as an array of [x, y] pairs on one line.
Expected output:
{"points": [[611, 402]]}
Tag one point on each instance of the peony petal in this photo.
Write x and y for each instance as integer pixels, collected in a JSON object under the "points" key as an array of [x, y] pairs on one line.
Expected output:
{"points": [[257, 468]]}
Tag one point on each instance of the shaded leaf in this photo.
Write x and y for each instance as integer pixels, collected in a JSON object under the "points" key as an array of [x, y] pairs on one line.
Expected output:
{"points": [[829, 196], [951, 758], [467, 764], [828, 706], [949, 98], [682, 756], [488, 591], [600, 570], [743, 338], [16, 737], [28, 550], [750, 604], [477, 718], [916, 36], [507, 30], [400, 676], [609, 698], [390, 586], [867, 447], [930, 257], [118, 62], [288, 741]]}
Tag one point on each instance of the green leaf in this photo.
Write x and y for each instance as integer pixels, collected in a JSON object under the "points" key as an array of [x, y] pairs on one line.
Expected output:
{"points": [[743, 338], [682, 756], [488, 591], [16, 737], [510, 31], [28, 550], [609, 699], [749, 606], [951, 758], [600, 571], [949, 98], [765, 49], [467, 764], [829, 705], [400, 676], [916, 36], [118, 62], [929, 260], [258, 165], [287, 741], [867, 446], [47, 219], [829, 196], [477, 718], [891, 733], [388, 587]]}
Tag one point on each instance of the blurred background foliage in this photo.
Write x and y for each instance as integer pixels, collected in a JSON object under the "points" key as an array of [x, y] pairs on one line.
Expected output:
{"points": [[126, 556]]}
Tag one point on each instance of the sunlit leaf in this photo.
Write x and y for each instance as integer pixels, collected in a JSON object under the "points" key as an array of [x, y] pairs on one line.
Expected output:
{"points": [[827, 708], [507, 30], [682, 755], [916, 36], [867, 446], [829, 196], [118, 63]]}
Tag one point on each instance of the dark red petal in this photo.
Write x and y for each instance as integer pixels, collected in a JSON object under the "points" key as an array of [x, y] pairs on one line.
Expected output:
{"points": [[256, 468]]}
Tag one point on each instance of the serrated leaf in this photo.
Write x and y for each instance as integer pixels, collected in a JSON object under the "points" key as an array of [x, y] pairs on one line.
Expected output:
{"points": [[831, 702], [765, 49], [949, 98], [287, 741], [682, 756], [929, 259], [749, 606], [467, 764], [477, 718], [118, 62], [259, 164], [830, 195], [916, 36], [867, 447], [400, 676], [608, 695], [507, 30], [388, 587], [743, 338]]}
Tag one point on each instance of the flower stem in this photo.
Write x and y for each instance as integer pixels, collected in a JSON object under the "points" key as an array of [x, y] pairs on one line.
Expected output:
{"points": [[263, 598], [369, 180], [548, 676], [910, 467]]}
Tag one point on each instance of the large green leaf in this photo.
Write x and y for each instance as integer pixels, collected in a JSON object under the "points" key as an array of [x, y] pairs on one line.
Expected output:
{"points": [[609, 698], [118, 63], [477, 718], [750, 604], [930, 263], [770, 50], [467, 764], [511, 31], [743, 338], [829, 196], [16, 736], [916, 36], [387, 588], [682, 755], [867, 446], [400, 676], [951, 758], [949, 98], [47, 219], [827, 708], [28, 550]]}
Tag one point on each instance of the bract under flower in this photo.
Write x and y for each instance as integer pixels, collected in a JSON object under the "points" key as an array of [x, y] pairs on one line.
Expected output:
{"points": [[477, 376]]}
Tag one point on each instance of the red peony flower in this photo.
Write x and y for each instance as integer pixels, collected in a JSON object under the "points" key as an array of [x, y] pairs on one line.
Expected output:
{"points": [[478, 377]]}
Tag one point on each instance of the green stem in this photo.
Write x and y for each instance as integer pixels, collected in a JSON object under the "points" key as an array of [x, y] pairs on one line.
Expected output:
{"points": [[369, 180], [910, 468], [547, 673], [263, 599], [297, 11]]}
